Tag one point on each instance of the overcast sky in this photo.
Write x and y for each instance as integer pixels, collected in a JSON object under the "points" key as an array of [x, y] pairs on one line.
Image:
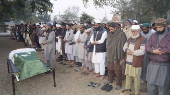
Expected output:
{"points": [[59, 6]]}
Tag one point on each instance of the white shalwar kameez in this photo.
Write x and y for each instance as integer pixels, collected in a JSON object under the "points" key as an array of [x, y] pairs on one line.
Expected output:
{"points": [[99, 58]]}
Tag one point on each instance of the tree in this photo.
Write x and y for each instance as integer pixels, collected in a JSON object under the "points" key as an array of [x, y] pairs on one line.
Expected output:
{"points": [[71, 15], [86, 18], [124, 8], [100, 3], [11, 8], [147, 10], [45, 17]]}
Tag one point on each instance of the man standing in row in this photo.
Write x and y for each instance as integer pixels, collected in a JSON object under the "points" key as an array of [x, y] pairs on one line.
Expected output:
{"points": [[115, 54], [49, 49], [98, 39], [127, 28], [145, 33], [80, 44], [158, 47], [69, 48], [135, 49], [61, 37]]}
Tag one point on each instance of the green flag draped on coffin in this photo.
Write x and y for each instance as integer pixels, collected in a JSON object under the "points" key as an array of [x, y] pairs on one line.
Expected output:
{"points": [[28, 64]]}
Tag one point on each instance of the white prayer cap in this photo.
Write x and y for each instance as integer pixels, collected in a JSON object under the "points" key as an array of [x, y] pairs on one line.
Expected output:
{"points": [[97, 21], [88, 30], [58, 25], [135, 21], [135, 27], [37, 24]]}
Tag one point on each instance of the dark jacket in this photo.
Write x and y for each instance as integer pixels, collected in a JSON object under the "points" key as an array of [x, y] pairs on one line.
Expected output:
{"points": [[63, 33], [96, 37], [58, 32], [164, 46], [90, 46]]}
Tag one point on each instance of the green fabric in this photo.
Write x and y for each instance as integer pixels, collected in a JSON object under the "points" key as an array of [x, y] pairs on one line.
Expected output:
{"points": [[146, 25], [29, 65]]}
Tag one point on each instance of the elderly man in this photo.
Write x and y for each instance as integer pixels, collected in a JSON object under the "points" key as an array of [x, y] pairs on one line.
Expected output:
{"points": [[127, 28], [158, 47], [89, 47], [49, 49], [98, 39], [135, 49], [115, 54]]}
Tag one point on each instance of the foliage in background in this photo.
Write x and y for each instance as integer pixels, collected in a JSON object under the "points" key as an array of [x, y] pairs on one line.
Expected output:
{"points": [[142, 10], [71, 15], [86, 18], [15, 9]]}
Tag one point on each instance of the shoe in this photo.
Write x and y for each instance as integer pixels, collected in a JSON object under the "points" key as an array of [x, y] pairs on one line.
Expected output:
{"points": [[90, 84], [96, 85], [79, 65], [48, 72], [109, 88], [64, 64], [77, 69], [59, 60], [118, 87], [104, 87]]}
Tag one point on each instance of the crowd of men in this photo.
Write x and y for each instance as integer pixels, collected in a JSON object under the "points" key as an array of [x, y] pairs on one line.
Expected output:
{"points": [[138, 51]]}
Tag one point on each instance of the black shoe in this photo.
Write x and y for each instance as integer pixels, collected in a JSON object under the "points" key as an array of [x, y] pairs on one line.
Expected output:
{"points": [[104, 86], [48, 72], [64, 64], [109, 88], [79, 65], [59, 60]]}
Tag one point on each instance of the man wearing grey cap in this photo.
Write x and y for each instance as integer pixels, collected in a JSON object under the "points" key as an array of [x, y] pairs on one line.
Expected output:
{"points": [[49, 46]]}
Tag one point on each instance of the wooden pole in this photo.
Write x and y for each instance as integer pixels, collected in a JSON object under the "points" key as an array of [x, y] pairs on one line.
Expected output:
{"points": [[8, 66], [54, 77], [13, 84]]}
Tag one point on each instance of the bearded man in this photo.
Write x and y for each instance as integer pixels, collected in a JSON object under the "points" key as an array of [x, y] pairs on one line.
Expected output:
{"points": [[115, 54], [158, 47], [127, 28], [135, 49], [98, 39]]}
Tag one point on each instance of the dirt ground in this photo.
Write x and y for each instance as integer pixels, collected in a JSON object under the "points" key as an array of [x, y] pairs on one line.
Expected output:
{"points": [[68, 81]]}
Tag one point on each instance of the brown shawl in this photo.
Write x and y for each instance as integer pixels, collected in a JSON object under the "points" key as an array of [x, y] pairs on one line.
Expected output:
{"points": [[114, 44]]}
